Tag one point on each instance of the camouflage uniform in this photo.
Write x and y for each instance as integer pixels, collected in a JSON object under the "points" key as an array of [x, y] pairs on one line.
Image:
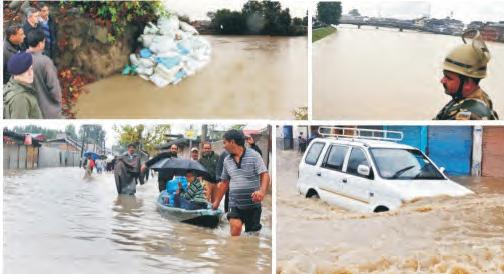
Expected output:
{"points": [[477, 106]]}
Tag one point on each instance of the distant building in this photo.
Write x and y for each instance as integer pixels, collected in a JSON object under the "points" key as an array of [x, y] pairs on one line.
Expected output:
{"points": [[493, 32]]}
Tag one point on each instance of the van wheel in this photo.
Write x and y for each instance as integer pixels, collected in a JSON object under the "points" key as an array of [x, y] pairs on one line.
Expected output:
{"points": [[381, 209], [312, 194]]}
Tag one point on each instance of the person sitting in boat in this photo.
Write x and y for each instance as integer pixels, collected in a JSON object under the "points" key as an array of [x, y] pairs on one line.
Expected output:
{"points": [[193, 197]]}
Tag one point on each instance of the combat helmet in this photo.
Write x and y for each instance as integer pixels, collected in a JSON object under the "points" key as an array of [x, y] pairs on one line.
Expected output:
{"points": [[469, 59]]}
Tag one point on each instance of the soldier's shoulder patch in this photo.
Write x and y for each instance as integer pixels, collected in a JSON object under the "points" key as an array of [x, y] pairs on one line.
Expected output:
{"points": [[463, 115]]}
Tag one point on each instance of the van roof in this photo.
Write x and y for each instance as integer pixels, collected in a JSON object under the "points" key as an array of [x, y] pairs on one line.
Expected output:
{"points": [[365, 142]]}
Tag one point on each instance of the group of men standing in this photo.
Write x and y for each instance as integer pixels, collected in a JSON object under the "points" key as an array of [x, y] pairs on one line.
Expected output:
{"points": [[239, 173], [31, 86]]}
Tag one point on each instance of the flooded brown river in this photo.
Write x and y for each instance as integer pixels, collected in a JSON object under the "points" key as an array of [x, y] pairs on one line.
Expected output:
{"points": [[54, 222], [385, 74], [248, 77], [441, 235]]}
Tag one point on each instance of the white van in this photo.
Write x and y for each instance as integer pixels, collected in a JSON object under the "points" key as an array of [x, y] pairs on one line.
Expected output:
{"points": [[366, 171]]}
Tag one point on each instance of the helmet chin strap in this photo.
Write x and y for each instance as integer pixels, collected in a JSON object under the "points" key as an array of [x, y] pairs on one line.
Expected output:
{"points": [[458, 95]]}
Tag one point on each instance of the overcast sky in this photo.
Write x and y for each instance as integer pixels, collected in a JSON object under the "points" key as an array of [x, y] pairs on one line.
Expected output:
{"points": [[467, 11], [197, 9]]}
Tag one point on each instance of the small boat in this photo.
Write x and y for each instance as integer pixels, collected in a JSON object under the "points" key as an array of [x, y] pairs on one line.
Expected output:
{"points": [[200, 217]]}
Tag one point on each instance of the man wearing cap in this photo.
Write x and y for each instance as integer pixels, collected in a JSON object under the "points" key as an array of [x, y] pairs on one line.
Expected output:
{"points": [[45, 81], [209, 160], [194, 154], [20, 101], [463, 69], [14, 37]]}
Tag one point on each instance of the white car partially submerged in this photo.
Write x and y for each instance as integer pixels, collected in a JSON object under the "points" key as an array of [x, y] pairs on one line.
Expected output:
{"points": [[366, 173]]}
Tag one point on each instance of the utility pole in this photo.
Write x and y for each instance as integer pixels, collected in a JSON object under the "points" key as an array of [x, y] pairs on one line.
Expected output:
{"points": [[204, 131]]}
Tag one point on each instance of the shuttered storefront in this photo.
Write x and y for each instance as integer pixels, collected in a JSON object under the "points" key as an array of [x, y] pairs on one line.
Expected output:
{"points": [[451, 147], [493, 152]]}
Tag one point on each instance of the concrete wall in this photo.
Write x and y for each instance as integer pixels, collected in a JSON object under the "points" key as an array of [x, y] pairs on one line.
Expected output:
{"points": [[55, 157]]}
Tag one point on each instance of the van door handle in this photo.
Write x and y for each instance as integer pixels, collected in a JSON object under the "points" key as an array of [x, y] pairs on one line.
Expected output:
{"points": [[344, 180], [319, 174]]}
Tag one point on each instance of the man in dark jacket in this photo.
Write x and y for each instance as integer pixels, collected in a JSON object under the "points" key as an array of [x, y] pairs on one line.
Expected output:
{"points": [[209, 160], [31, 23], [163, 176], [14, 38], [48, 26], [127, 171], [46, 81]]}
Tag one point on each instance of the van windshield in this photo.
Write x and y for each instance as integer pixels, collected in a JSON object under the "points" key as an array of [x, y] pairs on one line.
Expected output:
{"points": [[401, 164]]}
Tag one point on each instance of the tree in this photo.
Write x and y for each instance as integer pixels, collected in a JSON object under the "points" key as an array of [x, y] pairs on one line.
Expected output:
{"points": [[256, 17], [329, 12], [92, 134], [50, 133], [70, 131], [147, 138], [354, 12], [228, 22]]}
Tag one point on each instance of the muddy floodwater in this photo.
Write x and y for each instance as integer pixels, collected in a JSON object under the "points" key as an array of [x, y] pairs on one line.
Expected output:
{"points": [[54, 221], [386, 74], [441, 235], [248, 77]]}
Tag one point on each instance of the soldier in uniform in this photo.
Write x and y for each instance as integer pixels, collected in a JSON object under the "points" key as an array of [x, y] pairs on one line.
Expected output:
{"points": [[463, 69]]}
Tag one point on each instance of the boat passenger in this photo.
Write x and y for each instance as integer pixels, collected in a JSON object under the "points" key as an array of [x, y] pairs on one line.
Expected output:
{"points": [[193, 197]]}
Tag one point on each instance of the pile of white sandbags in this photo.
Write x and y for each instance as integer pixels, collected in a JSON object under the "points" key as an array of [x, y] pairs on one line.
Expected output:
{"points": [[172, 50]]}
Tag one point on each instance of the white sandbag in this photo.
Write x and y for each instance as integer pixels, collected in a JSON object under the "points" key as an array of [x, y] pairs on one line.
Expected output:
{"points": [[167, 74], [168, 25], [134, 59], [145, 77], [151, 29], [145, 71], [146, 39], [146, 63], [168, 54], [188, 28], [159, 81], [162, 44]]}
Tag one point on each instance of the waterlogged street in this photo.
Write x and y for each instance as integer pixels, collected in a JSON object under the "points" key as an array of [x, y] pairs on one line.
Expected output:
{"points": [[440, 235], [384, 74], [247, 77], [55, 221]]}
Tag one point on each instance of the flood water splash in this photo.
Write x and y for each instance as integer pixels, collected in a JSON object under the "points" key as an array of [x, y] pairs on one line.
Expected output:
{"points": [[435, 235]]}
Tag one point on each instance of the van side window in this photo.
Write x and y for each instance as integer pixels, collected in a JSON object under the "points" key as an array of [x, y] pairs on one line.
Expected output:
{"points": [[313, 154], [357, 157], [336, 157]]}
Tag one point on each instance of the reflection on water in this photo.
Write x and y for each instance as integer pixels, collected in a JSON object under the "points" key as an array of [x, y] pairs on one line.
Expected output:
{"points": [[435, 235], [55, 220], [387, 74], [248, 77]]}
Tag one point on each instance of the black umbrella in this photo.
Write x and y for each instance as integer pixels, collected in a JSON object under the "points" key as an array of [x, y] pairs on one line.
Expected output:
{"points": [[180, 166]]}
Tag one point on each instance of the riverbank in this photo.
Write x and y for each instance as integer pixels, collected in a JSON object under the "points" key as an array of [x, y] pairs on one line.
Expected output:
{"points": [[401, 73], [322, 32], [248, 77]]}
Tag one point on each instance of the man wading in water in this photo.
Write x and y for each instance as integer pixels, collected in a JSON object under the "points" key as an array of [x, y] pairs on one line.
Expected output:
{"points": [[247, 178], [127, 171]]}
